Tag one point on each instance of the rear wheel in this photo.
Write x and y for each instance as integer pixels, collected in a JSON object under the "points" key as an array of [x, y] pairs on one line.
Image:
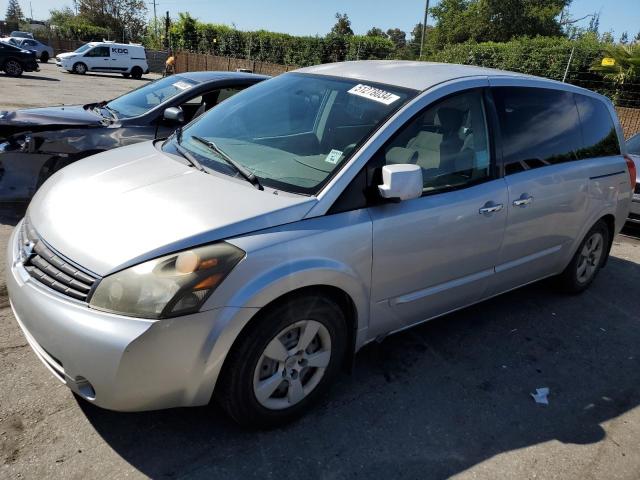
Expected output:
{"points": [[587, 261], [136, 72], [284, 362], [44, 58], [80, 68], [13, 68]]}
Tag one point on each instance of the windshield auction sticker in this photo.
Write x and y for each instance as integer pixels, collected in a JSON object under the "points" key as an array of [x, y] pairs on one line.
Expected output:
{"points": [[375, 94], [182, 85]]}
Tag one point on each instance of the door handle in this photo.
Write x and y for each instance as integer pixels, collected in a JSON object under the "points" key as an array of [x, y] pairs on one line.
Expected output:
{"points": [[489, 208], [523, 201]]}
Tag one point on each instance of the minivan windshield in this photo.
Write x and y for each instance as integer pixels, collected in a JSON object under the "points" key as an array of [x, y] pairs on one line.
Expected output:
{"points": [[143, 99], [293, 131]]}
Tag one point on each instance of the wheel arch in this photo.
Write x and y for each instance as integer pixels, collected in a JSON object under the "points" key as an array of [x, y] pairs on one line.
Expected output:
{"points": [[340, 296]]}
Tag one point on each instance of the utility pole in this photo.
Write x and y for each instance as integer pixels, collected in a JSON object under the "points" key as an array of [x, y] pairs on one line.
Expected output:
{"points": [[31, 8], [155, 19], [424, 27], [167, 23]]}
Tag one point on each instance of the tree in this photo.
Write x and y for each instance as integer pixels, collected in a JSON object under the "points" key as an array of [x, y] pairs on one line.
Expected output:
{"points": [[624, 38], [637, 37], [14, 13], [627, 63], [342, 26], [458, 21], [125, 18], [376, 32], [398, 37]]}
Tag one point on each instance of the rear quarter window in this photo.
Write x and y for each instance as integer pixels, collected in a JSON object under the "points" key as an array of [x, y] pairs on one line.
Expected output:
{"points": [[539, 127], [598, 130]]}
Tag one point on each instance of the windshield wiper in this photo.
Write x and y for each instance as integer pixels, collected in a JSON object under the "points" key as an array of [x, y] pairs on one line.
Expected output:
{"points": [[186, 153], [241, 169]]}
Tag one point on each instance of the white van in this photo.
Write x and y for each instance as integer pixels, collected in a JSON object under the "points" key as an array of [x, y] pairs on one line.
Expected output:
{"points": [[129, 59]]}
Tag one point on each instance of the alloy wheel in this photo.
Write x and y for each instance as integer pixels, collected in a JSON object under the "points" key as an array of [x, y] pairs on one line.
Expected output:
{"points": [[292, 365], [590, 257]]}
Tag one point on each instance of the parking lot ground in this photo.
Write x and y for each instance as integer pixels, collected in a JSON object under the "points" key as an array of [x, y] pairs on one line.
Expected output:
{"points": [[450, 398], [54, 86]]}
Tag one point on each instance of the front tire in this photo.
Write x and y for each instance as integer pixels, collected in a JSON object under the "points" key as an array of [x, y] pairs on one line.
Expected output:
{"points": [[284, 362], [44, 58], [80, 68], [13, 68], [587, 261]]}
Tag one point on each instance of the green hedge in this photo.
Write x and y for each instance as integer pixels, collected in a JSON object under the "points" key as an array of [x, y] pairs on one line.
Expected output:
{"points": [[543, 56], [189, 34]]}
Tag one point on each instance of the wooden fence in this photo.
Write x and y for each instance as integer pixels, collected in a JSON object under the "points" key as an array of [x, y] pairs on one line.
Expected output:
{"points": [[630, 120], [189, 62]]}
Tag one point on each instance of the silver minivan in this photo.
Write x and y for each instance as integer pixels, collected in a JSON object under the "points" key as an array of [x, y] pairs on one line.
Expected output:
{"points": [[253, 253]]}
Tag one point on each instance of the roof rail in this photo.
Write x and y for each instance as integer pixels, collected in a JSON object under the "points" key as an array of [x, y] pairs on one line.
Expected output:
{"points": [[108, 41]]}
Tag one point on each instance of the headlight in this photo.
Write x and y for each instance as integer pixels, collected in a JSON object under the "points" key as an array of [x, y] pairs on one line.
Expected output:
{"points": [[173, 285]]}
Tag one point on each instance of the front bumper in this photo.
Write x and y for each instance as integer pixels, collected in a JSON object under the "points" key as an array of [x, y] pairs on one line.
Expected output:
{"points": [[116, 362]]}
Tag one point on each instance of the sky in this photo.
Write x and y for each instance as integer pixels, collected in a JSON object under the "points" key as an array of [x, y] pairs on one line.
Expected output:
{"points": [[307, 17]]}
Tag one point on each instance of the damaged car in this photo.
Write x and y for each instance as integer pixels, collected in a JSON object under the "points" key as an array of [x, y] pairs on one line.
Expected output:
{"points": [[37, 142]]}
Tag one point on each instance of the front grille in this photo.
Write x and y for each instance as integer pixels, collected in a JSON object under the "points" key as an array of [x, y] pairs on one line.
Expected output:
{"points": [[52, 269]]}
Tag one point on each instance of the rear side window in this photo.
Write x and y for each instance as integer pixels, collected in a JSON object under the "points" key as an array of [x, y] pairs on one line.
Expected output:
{"points": [[598, 129], [539, 127]]}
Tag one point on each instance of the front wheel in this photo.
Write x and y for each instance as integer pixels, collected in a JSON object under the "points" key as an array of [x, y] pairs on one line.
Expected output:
{"points": [[44, 58], [80, 68], [587, 261], [284, 362], [13, 68]]}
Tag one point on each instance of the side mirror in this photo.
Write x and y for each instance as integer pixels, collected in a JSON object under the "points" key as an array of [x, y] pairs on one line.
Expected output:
{"points": [[174, 114], [401, 182]]}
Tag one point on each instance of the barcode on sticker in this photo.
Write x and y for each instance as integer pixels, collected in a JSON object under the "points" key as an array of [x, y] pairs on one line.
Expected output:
{"points": [[373, 93]]}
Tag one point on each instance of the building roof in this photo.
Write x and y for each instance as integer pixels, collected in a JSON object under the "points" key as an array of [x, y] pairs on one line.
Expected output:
{"points": [[401, 73]]}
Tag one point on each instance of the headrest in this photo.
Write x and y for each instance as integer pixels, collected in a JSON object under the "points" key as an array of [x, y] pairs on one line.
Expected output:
{"points": [[450, 118]]}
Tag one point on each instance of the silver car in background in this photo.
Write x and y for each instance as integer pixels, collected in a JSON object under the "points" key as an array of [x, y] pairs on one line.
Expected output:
{"points": [[43, 52], [253, 253]]}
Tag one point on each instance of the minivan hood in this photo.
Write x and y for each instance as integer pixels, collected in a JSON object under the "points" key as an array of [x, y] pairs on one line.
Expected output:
{"points": [[131, 204]]}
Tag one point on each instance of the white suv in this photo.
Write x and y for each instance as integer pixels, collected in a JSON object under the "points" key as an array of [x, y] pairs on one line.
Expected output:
{"points": [[126, 58]]}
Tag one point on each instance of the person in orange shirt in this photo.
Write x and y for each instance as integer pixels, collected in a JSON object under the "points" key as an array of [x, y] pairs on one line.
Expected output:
{"points": [[170, 64]]}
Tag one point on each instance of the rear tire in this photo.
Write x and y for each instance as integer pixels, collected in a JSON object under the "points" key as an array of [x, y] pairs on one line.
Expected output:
{"points": [[284, 362], [13, 68], [44, 58], [587, 261], [80, 68], [136, 72]]}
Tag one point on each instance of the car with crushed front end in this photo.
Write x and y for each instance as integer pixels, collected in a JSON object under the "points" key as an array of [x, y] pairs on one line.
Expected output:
{"points": [[37, 142], [249, 256]]}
